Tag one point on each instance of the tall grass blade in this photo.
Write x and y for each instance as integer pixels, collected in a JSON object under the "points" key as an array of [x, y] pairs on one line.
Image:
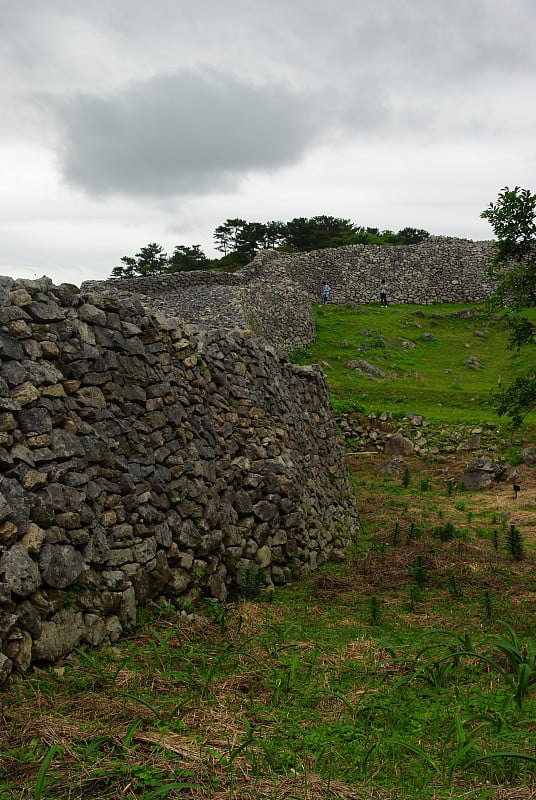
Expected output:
{"points": [[43, 770]]}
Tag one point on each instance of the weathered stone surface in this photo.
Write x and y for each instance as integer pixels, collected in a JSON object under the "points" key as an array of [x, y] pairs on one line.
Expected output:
{"points": [[20, 572], [60, 565], [398, 445], [59, 635], [29, 619], [367, 368], [142, 456], [391, 467], [19, 650], [6, 665], [478, 475]]}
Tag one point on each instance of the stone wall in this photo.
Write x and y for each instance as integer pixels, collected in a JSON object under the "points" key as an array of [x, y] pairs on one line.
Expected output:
{"points": [[438, 270], [143, 457], [272, 296]]}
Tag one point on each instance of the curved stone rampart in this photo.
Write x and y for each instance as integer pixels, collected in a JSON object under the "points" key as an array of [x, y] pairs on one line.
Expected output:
{"points": [[272, 296], [143, 457]]}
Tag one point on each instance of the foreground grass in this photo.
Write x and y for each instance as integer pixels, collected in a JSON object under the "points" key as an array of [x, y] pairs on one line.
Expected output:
{"points": [[428, 354], [390, 676]]}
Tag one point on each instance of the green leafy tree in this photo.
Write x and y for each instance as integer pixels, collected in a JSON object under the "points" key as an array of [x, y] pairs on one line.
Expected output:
{"points": [[250, 239], [186, 258], [151, 260], [412, 235], [274, 235], [317, 233], [227, 235], [513, 219]]}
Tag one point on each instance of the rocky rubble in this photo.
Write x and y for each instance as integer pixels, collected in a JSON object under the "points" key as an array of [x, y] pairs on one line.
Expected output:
{"points": [[141, 457], [412, 433]]}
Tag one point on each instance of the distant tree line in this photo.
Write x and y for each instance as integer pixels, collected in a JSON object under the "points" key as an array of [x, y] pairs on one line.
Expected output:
{"points": [[239, 241]]}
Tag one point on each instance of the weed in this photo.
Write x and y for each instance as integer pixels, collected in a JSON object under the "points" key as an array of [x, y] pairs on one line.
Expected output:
{"points": [[514, 543], [446, 532], [419, 572], [396, 534], [488, 602], [375, 606], [300, 356], [251, 581]]}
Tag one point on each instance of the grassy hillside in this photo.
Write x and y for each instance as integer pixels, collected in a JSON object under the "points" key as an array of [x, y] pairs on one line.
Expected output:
{"points": [[440, 361]]}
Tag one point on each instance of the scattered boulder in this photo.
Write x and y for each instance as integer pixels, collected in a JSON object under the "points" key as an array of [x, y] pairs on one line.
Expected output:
{"points": [[391, 467], [529, 455], [398, 444], [481, 473], [473, 362], [365, 367]]}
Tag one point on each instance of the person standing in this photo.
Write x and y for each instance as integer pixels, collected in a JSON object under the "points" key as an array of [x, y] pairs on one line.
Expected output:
{"points": [[383, 294], [325, 293]]}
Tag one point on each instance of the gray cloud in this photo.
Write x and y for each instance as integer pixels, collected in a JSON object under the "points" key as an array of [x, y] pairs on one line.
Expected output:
{"points": [[184, 133]]}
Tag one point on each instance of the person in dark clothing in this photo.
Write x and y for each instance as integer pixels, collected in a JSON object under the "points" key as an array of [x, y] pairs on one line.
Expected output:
{"points": [[383, 294]]}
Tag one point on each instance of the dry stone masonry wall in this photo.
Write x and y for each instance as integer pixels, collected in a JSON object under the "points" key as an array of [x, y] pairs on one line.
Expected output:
{"points": [[143, 457], [272, 296]]}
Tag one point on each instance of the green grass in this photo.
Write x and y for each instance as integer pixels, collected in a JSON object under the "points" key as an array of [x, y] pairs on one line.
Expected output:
{"points": [[424, 375], [391, 675], [408, 672]]}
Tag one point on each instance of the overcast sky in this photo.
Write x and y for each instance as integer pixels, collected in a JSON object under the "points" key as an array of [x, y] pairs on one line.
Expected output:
{"points": [[126, 122]]}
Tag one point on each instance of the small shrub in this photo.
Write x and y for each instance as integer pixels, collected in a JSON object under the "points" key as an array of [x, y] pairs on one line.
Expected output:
{"points": [[375, 605], [514, 456], [446, 532], [454, 587], [414, 597], [488, 602], [251, 582], [425, 485], [414, 532], [514, 542], [300, 356], [419, 572], [396, 534], [406, 478]]}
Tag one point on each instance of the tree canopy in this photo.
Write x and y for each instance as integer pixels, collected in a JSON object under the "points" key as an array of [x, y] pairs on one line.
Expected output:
{"points": [[513, 219], [239, 240]]}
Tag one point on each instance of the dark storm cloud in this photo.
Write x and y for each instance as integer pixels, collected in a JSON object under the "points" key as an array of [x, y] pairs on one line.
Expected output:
{"points": [[182, 133]]}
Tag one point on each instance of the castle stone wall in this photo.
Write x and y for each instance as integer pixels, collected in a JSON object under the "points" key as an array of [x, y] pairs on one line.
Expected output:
{"points": [[144, 457], [272, 296]]}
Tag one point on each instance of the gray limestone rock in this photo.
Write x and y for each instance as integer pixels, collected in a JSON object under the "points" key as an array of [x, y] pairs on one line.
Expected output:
{"points": [[478, 475], [60, 565], [20, 572], [6, 665], [398, 444], [59, 635]]}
